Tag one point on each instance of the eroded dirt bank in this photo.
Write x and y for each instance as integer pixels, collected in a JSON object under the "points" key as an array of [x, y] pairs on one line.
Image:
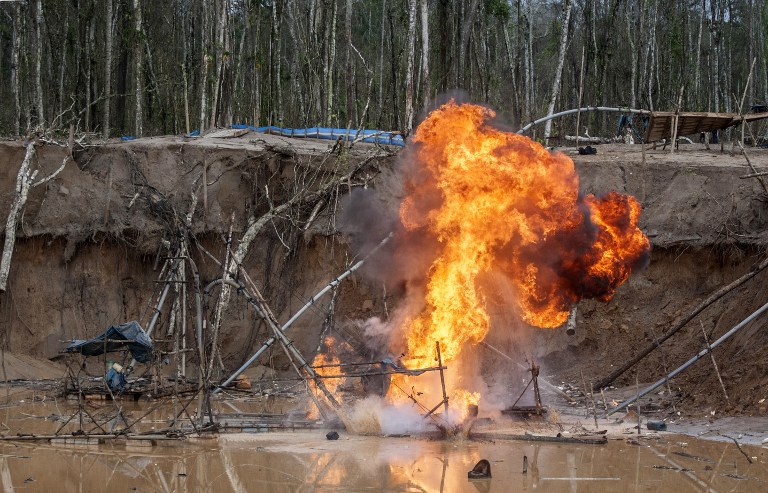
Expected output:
{"points": [[90, 241]]}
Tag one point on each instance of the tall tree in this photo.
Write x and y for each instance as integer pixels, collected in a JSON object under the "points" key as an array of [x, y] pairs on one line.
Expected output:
{"points": [[426, 89], [15, 48], [105, 119], [560, 61], [138, 71], [39, 61], [411, 47]]}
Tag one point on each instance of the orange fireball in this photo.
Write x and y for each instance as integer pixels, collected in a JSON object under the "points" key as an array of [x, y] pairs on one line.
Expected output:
{"points": [[497, 202]]}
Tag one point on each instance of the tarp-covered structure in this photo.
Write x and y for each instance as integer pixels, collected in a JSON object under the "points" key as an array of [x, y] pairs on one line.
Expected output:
{"points": [[116, 338]]}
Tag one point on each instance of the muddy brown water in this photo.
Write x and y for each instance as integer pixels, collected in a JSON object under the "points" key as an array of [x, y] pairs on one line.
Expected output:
{"points": [[306, 461]]}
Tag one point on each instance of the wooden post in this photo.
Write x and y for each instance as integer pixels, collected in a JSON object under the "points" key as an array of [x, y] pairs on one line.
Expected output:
{"points": [[535, 380], [442, 377], [637, 402], [581, 91], [594, 405], [714, 363]]}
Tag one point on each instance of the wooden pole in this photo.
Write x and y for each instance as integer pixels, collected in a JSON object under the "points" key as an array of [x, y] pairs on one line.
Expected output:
{"points": [[637, 401], [442, 377], [714, 363], [581, 91]]}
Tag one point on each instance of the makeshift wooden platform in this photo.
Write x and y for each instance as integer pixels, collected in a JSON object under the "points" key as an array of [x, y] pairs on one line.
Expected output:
{"points": [[662, 123]]}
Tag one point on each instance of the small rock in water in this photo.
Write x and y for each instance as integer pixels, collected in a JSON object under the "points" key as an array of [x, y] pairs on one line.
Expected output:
{"points": [[332, 435], [482, 470]]}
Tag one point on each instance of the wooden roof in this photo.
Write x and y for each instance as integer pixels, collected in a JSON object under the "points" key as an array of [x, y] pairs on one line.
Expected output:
{"points": [[661, 122]]}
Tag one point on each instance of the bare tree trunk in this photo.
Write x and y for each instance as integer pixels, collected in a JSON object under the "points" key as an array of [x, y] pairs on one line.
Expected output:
{"points": [[39, 61], [204, 65], [63, 64], [107, 68], [15, 48], [89, 75], [529, 91], [256, 81], [714, 32], [298, 91], [633, 50], [238, 82], [221, 22], [697, 67], [277, 63], [348, 73], [330, 62], [652, 54], [380, 101], [559, 70], [466, 31], [411, 50], [138, 51], [426, 86], [24, 181]]}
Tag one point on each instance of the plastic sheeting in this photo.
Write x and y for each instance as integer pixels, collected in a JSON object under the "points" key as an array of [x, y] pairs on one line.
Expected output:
{"points": [[370, 136], [129, 334]]}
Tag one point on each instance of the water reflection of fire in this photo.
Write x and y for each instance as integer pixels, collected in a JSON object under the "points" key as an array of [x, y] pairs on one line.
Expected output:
{"points": [[498, 203]]}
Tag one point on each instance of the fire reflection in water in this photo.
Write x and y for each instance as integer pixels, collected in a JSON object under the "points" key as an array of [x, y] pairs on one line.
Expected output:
{"points": [[289, 462]]}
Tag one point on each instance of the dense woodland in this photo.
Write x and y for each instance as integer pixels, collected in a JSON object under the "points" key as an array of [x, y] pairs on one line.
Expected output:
{"points": [[147, 67]]}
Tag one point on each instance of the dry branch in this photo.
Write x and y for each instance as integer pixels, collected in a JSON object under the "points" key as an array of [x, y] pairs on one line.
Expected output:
{"points": [[681, 323]]}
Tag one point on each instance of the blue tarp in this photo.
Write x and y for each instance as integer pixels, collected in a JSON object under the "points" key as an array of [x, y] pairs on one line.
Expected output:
{"points": [[370, 136], [138, 342]]}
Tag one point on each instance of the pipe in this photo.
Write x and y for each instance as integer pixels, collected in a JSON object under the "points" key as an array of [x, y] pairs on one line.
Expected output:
{"points": [[158, 308], [576, 110], [570, 325], [691, 361], [271, 341]]}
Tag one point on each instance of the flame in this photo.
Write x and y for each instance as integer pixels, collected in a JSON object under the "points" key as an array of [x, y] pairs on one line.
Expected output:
{"points": [[497, 202], [326, 357]]}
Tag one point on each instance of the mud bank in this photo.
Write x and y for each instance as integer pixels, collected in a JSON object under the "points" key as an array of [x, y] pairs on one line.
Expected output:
{"points": [[90, 241]]}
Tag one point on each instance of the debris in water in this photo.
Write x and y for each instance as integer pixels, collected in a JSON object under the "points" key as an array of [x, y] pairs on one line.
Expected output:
{"points": [[332, 435], [482, 470], [657, 425]]}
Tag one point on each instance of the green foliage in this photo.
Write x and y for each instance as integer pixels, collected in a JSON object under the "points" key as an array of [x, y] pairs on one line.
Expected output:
{"points": [[499, 9]]}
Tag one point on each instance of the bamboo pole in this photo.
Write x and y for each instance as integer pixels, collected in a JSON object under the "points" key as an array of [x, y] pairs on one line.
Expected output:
{"points": [[269, 342]]}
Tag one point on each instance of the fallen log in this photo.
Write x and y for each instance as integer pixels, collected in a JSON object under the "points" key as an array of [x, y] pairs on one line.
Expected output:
{"points": [[602, 440], [601, 384]]}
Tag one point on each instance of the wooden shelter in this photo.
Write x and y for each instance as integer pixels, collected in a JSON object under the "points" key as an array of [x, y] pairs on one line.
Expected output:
{"points": [[661, 123]]}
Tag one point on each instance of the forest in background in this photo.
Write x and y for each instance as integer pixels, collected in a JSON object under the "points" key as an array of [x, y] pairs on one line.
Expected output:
{"points": [[141, 67]]}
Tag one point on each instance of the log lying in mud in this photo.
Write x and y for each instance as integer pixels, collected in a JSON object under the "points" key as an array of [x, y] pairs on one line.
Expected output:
{"points": [[602, 440]]}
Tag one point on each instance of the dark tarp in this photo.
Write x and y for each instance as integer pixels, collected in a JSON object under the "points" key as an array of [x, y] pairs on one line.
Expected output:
{"points": [[138, 342]]}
